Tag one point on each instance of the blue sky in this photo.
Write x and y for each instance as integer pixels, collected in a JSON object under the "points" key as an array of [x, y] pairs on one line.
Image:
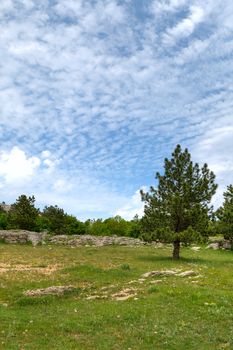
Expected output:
{"points": [[94, 95]]}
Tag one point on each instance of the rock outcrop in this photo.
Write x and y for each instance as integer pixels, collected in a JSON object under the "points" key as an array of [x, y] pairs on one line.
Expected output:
{"points": [[98, 241], [22, 236]]}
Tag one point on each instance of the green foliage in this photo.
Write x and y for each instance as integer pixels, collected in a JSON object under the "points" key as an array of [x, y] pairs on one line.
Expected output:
{"points": [[180, 204], [117, 226], [152, 289], [114, 226], [225, 216], [134, 227], [125, 267], [74, 226], [3, 220], [56, 219], [42, 223], [97, 228], [23, 214]]}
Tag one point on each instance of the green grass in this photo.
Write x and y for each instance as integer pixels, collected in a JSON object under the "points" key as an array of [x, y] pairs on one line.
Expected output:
{"points": [[177, 313]]}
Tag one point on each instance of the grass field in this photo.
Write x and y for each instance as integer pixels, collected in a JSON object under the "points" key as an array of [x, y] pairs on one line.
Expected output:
{"points": [[177, 313]]}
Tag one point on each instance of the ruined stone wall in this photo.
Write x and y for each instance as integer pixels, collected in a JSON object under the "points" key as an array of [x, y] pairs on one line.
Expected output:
{"points": [[21, 236], [98, 241]]}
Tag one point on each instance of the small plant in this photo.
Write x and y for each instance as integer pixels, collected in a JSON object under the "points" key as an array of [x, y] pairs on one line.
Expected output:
{"points": [[152, 289], [125, 267]]}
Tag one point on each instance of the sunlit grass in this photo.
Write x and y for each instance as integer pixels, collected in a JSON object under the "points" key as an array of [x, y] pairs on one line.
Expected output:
{"points": [[177, 313]]}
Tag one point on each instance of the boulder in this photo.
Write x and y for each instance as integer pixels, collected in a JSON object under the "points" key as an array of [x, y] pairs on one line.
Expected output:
{"points": [[54, 290], [214, 246]]}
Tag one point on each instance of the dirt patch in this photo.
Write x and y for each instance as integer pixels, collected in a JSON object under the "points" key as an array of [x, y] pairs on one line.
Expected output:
{"points": [[18, 268], [53, 290], [125, 294]]}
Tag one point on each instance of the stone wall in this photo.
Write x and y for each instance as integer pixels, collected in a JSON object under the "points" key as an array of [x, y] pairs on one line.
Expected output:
{"points": [[22, 236], [98, 241]]}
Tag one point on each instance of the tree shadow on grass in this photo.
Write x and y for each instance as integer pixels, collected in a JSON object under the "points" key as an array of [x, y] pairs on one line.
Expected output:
{"points": [[156, 258]]}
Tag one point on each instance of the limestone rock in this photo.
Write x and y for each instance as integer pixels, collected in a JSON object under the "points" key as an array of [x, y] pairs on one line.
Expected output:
{"points": [[97, 241], [125, 294], [214, 246], [159, 273], [54, 290], [195, 249], [186, 273], [22, 236]]}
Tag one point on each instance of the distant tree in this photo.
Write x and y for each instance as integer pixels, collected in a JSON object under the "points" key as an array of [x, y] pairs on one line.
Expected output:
{"points": [[74, 226], [134, 227], [225, 216], [3, 220], [117, 226], [97, 228], [177, 210], [23, 213], [55, 219], [42, 223]]}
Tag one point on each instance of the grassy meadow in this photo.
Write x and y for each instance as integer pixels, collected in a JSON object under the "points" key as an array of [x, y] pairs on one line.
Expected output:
{"points": [[192, 312]]}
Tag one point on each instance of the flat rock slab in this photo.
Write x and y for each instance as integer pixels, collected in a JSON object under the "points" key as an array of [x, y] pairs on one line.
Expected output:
{"points": [[159, 273], [169, 273], [186, 273], [54, 290], [125, 294]]}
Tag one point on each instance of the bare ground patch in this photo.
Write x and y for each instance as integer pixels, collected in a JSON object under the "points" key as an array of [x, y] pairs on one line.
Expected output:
{"points": [[47, 270]]}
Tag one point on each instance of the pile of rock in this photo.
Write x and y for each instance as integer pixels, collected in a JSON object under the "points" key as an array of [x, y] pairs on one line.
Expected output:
{"points": [[220, 245], [21, 236], [98, 241]]}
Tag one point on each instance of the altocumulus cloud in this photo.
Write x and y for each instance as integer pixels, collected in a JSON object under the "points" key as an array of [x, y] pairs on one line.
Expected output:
{"points": [[94, 94]]}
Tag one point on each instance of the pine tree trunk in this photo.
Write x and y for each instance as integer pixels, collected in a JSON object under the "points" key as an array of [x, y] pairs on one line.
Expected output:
{"points": [[176, 250]]}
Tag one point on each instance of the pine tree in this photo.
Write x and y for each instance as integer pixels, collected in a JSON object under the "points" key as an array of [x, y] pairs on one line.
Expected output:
{"points": [[225, 215], [23, 213], [177, 210]]}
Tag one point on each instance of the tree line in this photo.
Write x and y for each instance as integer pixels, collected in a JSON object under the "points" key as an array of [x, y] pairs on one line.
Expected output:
{"points": [[177, 211], [25, 216]]}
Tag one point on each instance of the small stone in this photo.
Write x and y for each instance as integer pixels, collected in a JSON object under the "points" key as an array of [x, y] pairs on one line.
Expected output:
{"points": [[195, 249], [156, 281], [186, 273]]}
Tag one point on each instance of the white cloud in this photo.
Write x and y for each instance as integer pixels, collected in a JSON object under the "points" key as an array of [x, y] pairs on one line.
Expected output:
{"points": [[185, 27], [91, 90], [134, 206], [45, 154], [158, 6], [16, 168], [216, 149], [62, 186]]}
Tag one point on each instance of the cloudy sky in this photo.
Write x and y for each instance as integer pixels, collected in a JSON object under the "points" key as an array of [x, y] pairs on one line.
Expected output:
{"points": [[94, 95]]}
